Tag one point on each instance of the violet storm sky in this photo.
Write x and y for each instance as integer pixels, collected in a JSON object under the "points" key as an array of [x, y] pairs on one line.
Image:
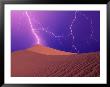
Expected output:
{"points": [[71, 31]]}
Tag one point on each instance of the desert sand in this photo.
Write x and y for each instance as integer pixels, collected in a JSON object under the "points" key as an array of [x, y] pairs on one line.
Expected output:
{"points": [[41, 61]]}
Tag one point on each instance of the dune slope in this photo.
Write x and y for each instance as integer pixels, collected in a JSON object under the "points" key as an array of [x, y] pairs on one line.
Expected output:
{"points": [[40, 61]]}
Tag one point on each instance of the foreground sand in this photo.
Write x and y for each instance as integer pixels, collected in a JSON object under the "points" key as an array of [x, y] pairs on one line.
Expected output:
{"points": [[40, 61]]}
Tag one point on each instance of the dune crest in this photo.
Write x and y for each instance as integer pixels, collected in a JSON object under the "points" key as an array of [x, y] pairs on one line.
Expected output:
{"points": [[48, 51]]}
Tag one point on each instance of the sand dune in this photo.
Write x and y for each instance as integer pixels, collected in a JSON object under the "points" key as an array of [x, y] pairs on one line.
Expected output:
{"points": [[40, 61], [48, 51]]}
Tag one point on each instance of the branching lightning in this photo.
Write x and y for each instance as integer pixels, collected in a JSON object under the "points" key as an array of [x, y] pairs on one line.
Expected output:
{"points": [[48, 32], [91, 27], [34, 30], [51, 34], [42, 28]]}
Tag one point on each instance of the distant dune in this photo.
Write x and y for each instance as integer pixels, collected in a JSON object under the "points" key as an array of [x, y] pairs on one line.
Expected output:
{"points": [[41, 61]]}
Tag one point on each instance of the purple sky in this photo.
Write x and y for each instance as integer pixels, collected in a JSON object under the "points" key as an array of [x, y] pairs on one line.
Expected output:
{"points": [[79, 31]]}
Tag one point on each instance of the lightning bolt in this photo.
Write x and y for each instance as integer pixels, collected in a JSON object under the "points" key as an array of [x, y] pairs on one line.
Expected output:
{"points": [[37, 40], [71, 31]]}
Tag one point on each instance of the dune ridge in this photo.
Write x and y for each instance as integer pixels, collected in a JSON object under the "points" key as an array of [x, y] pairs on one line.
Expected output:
{"points": [[48, 51]]}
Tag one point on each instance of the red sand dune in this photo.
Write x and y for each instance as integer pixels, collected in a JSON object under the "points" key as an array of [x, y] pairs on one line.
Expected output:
{"points": [[40, 61], [48, 51]]}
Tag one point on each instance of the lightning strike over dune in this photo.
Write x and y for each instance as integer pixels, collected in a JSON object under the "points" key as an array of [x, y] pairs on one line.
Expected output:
{"points": [[39, 29], [37, 40], [48, 28], [34, 30]]}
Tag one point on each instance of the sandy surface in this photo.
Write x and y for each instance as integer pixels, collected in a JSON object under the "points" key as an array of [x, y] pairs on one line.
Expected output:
{"points": [[47, 62]]}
